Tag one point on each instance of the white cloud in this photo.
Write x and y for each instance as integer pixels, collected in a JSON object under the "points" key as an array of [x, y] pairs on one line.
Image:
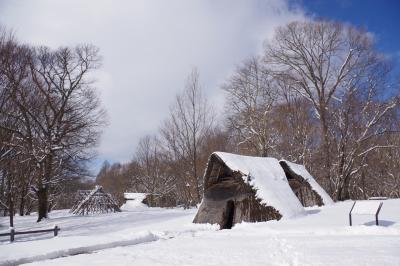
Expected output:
{"points": [[148, 48]]}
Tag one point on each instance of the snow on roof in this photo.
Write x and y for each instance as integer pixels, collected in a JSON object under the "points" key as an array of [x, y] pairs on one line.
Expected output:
{"points": [[134, 201], [302, 171], [268, 178], [134, 196]]}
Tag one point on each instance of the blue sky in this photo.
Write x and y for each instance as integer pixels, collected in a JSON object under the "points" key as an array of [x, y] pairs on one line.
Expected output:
{"points": [[381, 17]]}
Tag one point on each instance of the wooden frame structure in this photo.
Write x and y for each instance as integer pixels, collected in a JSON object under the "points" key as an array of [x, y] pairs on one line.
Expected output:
{"points": [[94, 201]]}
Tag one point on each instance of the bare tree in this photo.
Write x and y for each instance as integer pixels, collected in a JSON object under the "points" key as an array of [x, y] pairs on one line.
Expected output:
{"points": [[71, 116], [325, 62], [250, 101], [153, 172], [362, 124], [295, 125], [57, 112], [14, 161], [191, 118]]}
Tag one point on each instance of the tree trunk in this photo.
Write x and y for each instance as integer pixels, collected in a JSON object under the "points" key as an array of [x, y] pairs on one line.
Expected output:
{"points": [[326, 147], [43, 191], [11, 212], [363, 185], [345, 193], [343, 189], [22, 205], [2, 186], [10, 200], [42, 195]]}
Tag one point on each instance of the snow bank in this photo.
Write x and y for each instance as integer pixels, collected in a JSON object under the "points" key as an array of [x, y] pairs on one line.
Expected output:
{"points": [[268, 178], [68, 246], [302, 171], [86, 234]]}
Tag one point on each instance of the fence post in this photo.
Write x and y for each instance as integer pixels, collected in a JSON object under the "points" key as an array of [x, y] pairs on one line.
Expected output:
{"points": [[12, 234], [377, 213], [350, 220], [56, 230]]}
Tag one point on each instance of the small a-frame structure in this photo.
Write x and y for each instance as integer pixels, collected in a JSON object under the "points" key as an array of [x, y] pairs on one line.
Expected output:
{"points": [[94, 201]]}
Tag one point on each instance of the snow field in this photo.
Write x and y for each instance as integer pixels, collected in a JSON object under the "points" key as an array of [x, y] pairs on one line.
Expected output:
{"points": [[156, 236]]}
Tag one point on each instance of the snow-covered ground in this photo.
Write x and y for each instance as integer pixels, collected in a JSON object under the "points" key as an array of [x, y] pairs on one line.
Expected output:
{"points": [[153, 236]]}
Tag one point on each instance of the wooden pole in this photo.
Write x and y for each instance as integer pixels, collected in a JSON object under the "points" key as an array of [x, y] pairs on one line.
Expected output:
{"points": [[56, 230], [377, 212], [351, 224], [12, 235]]}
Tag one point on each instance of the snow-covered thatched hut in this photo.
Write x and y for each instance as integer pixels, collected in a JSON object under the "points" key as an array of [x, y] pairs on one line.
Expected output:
{"points": [[134, 201], [149, 199], [134, 197], [94, 201], [304, 186], [242, 188]]}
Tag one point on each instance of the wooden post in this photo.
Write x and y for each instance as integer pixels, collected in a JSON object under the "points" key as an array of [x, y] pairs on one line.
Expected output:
{"points": [[350, 219], [377, 212], [56, 229], [12, 235], [350, 213]]}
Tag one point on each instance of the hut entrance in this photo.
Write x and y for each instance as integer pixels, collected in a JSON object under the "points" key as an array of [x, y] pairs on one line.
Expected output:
{"points": [[229, 215]]}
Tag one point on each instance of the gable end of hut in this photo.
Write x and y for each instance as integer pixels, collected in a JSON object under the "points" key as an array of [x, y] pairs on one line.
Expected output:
{"points": [[229, 200], [301, 187]]}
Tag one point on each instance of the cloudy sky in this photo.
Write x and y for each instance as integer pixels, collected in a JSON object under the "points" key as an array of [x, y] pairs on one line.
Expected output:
{"points": [[150, 46]]}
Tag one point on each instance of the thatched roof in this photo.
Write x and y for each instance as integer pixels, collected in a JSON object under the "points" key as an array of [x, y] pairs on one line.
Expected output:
{"points": [[301, 172], [266, 176]]}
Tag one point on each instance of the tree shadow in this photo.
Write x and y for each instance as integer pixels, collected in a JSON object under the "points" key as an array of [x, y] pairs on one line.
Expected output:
{"points": [[310, 212], [381, 223]]}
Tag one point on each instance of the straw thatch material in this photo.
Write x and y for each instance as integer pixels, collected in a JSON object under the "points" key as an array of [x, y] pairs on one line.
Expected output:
{"points": [[304, 186], [94, 201], [228, 199]]}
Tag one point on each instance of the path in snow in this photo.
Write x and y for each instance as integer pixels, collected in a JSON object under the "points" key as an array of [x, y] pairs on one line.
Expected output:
{"points": [[252, 246], [85, 234]]}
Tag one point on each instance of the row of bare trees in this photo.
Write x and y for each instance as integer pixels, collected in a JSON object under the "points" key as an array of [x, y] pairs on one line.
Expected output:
{"points": [[171, 162], [50, 119], [320, 94]]}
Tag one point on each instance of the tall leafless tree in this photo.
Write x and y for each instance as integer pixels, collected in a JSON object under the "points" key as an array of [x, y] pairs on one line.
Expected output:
{"points": [[153, 174], [250, 101], [56, 112], [191, 118], [327, 63], [71, 116]]}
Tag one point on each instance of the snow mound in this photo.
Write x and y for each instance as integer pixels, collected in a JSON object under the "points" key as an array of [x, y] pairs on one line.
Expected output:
{"points": [[268, 178], [70, 246], [302, 171], [134, 201]]}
